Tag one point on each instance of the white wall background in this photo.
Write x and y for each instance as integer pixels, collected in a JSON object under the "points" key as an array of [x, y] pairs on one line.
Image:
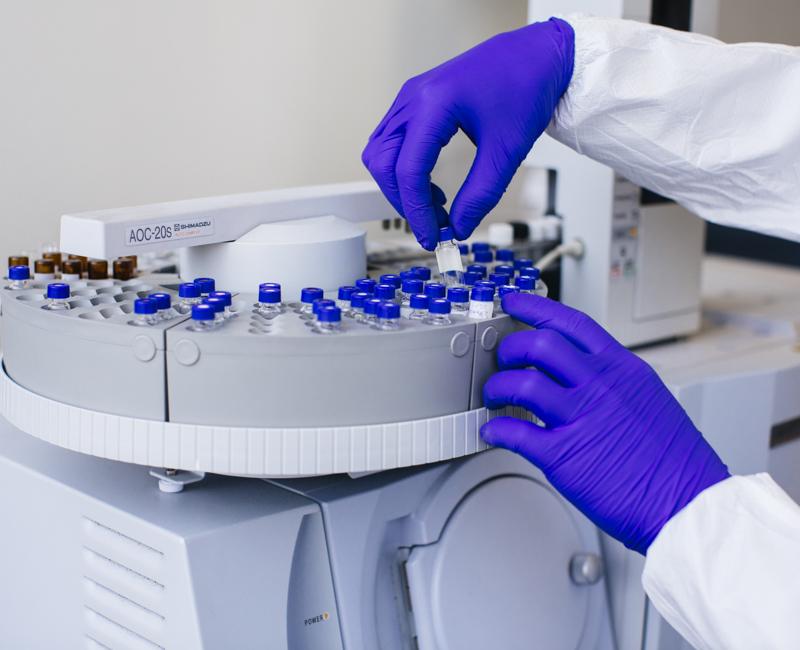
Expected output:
{"points": [[107, 103]]}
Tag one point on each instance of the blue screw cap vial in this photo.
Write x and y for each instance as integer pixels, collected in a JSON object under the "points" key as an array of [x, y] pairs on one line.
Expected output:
{"points": [[531, 272], [435, 290], [446, 234], [389, 310], [478, 268], [270, 285], [419, 301], [423, 272], [484, 257], [366, 284], [439, 306], [188, 290], [207, 285], [480, 246], [317, 305], [525, 283], [310, 294], [413, 286], [225, 295], [471, 277], [391, 278], [506, 269], [457, 294], [19, 273], [371, 306], [358, 298], [385, 291], [500, 279], [57, 291], [482, 294], [329, 314], [269, 295], [217, 304], [504, 255], [162, 300], [345, 292], [463, 249], [144, 306], [506, 289], [202, 312], [522, 262]]}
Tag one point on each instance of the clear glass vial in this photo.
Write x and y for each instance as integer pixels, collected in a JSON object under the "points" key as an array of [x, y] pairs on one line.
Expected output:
{"points": [[459, 300], [144, 312], [57, 296], [357, 301], [505, 269], [525, 284], [367, 285], [307, 297], [163, 306], [385, 292], [371, 310], [435, 290], [505, 255], [227, 298], [483, 256], [203, 318], [329, 320], [206, 285], [343, 298], [418, 307], [218, 305], [188, 297], [504, 291], [269, 301], [448, 257], [19, 277], [438, 312], [391, 278], [422, 272], [320, 304], [388, 317], [481, 303]]}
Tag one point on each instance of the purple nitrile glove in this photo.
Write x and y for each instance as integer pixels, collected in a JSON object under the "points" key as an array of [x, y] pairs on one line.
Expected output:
{"points": [[501, 93], [615, 443]]}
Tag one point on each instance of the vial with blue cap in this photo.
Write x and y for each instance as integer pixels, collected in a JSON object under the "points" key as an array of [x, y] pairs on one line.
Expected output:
{"points": [[203, 318], [321, 303], [371, 310], [504, 255], [269, 301], [388, 317], [57, 296], [525, 284], [19, 277], [478, 268], [459, 300], [422, 272], [522, 262], [227, 299], [391, 278], [540, 288], [164, 309], [357, 301], [329, 319], [410, 287], [480, 246], [448, 257], [307, 297], [463, 249], [435, 290], [144, 312], [218, 305], [483, 256], [470, 278], [481, 302], [206, 285], [504, 291], [438, 312], [188, 297], [343, 298], [366, 285], [385, 292], [499, 279], [505, 269], [418, 307]]}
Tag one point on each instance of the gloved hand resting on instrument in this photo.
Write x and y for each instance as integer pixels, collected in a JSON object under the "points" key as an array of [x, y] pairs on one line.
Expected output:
{"points": [[501, 93], [615, 443]]}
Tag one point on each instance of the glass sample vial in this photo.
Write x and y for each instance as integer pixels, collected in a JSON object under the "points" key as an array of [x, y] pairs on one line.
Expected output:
{"points": [[522, 262], [54, 257], [448, 257], [385, 292], [435, 290], [329, 320], [144, 310], [481, 303], [307, 297], [459, 300], [123, 268], [388, 317], [525, 284], [343, 298], [206, 285], [483, 256], [18, 260], [499, 279], [57, 296], [83, 261], [422, 272], [480, 269], [322, 303], [463, 249], [480, 246], [98, 270], [71, 270], [188, 297], [438, 312], [418, 307], [371, 310], [391, 278], [366, 285], [19, 277], [44, 270], [504, 291], [218, 305], [203, 318], [164, 310], [505, 269], [540, 288], [470, 278], [504, 255], [410, 287], [269, 301], [227, 299], [357, 301]]}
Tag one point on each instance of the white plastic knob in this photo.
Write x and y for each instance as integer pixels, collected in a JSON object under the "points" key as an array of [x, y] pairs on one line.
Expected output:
{"points": [[501, 235]]}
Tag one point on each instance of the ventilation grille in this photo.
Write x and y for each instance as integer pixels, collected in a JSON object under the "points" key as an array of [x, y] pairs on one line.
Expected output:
{"points": [[123, 590]]}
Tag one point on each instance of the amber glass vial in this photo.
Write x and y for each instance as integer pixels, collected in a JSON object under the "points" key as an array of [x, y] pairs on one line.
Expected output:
{"points": [[54, 257], [18, 260], [123, 268], [44, 266], [98, 270]]}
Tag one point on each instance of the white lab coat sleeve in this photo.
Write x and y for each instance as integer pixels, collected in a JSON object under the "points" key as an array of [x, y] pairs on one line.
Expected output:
{"points": [[725, 570], [716, 127]]}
